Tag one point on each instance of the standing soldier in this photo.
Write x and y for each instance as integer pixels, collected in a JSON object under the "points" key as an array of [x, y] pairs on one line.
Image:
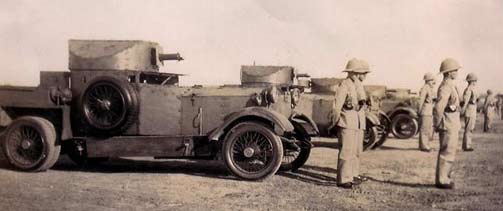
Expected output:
{"points": [[348, 123], [362, 112], [469, 109], [447, 123], [489, 110], [427, 96]]}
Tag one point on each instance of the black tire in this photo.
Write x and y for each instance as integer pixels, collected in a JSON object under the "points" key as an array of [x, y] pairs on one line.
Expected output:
{"points": [[252, 151], [30, 144], [77, 152], [383, 131], [109, 106], [404, 126], [294, 159], [369, 137]]}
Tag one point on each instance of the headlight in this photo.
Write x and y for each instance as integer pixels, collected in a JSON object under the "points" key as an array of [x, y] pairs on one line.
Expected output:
{"points": [[295, 95], [272, 95]]}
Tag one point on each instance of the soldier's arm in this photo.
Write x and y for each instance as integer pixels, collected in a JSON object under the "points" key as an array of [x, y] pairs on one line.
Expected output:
{"points": [[422, 98], [466, 98], [340, 98], [442, 100]]}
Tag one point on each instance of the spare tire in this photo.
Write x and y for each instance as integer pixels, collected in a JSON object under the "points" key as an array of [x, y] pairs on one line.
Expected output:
{"points": [[109, 106]]}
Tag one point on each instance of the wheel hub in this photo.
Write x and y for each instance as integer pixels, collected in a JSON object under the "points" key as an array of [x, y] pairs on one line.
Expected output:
{"points": [[248, 152], [26, 144], [105, 104]]}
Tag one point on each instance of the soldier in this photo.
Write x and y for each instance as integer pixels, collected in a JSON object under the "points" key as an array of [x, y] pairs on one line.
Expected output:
{"points": [[349, 123], [362, 111], [469, 109], [489, 110], [447, 123], [427, 96]]}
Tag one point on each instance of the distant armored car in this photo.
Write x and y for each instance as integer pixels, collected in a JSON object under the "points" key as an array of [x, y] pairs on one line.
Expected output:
{"points": [[114, 102]]}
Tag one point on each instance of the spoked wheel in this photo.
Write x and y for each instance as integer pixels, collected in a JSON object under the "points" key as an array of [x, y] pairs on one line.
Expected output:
{"points": [[109, 105], [404, 126], [370, 137], [383, 131], [29, 144], [295, 154], [252, 151]]}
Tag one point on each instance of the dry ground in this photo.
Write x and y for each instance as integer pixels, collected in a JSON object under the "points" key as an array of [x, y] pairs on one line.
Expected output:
{"points": [[401, 178]]}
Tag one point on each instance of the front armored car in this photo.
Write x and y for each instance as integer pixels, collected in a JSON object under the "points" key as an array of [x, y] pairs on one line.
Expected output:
{"points": [[114, 102]]}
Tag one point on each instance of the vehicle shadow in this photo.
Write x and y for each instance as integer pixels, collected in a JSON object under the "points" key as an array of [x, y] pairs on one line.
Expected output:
{"points": [[333, 145], [403, 184], [397, 148], [202, 168], [309, 174]]}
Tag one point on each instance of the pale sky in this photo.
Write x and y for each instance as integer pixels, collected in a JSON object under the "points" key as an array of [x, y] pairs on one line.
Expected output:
{"points": [[400, 39]]}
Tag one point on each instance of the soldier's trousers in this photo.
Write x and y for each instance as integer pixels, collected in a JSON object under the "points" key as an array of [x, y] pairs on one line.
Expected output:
{"points": [[426, 132], [467, 135], [488, 120], [446, 155], [347, 159], [359, 151]]}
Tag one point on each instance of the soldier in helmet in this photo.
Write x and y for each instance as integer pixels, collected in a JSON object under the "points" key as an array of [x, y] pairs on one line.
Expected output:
{"points": [[349, 123], [469, 109], [447, 123], [489, 110], [427, 97]]}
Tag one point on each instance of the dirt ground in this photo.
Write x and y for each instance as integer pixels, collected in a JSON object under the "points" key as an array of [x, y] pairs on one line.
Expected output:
{"points": [[400, 178]]}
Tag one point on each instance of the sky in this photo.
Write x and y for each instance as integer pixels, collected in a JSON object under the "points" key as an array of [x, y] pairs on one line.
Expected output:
{"points": [[400, 39]]}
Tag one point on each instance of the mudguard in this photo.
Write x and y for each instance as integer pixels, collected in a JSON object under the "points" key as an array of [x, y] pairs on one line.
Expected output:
{"points": [[372, 118], [304, 124], [281, 124], [407, 110], [384, 115]]}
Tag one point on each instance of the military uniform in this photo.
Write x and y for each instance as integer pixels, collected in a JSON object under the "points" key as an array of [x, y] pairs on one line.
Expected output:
{"points": [[350, 124], [427, 96], [362, 110], [447, 123], [469, 109], [489, 111]]}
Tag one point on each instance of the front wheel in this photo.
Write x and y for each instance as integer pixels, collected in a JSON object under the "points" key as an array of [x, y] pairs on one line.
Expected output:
{"points": [[370, 137], [252, 151], [404, 126]]}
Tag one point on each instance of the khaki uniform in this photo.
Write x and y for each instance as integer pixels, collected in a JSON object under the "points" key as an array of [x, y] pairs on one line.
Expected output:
{"points": [[427, 95], [489, 112], [448, 124], [470, 113], [347, 119], [360, 91]]}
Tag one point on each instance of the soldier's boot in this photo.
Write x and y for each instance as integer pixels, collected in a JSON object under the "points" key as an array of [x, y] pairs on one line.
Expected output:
{"points": [[344, 173], [443, 174]]}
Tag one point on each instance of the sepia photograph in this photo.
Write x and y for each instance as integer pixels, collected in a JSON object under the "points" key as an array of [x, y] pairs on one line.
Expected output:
{"points": [[251, 105]]}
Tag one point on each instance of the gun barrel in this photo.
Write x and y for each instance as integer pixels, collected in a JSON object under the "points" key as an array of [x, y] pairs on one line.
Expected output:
{"points": [[170, 56]]}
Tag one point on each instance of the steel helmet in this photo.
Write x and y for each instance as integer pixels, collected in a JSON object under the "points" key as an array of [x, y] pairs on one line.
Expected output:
{"points": [[471, 77], [357, 66], [429, 77], [449, 65]]}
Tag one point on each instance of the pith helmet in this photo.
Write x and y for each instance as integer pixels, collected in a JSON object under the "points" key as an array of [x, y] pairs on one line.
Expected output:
{"points": [[429, 77], [449, 65], [471, 77], [357, 66]]}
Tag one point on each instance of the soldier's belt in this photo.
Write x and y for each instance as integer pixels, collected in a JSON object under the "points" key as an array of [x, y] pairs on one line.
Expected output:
{"points": [[451, 109]]}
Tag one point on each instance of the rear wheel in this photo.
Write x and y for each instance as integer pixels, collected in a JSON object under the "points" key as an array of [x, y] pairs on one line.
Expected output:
{"points": [[383, 131], [252, 151], [30, 144], [404, 126], [370, 137]]}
